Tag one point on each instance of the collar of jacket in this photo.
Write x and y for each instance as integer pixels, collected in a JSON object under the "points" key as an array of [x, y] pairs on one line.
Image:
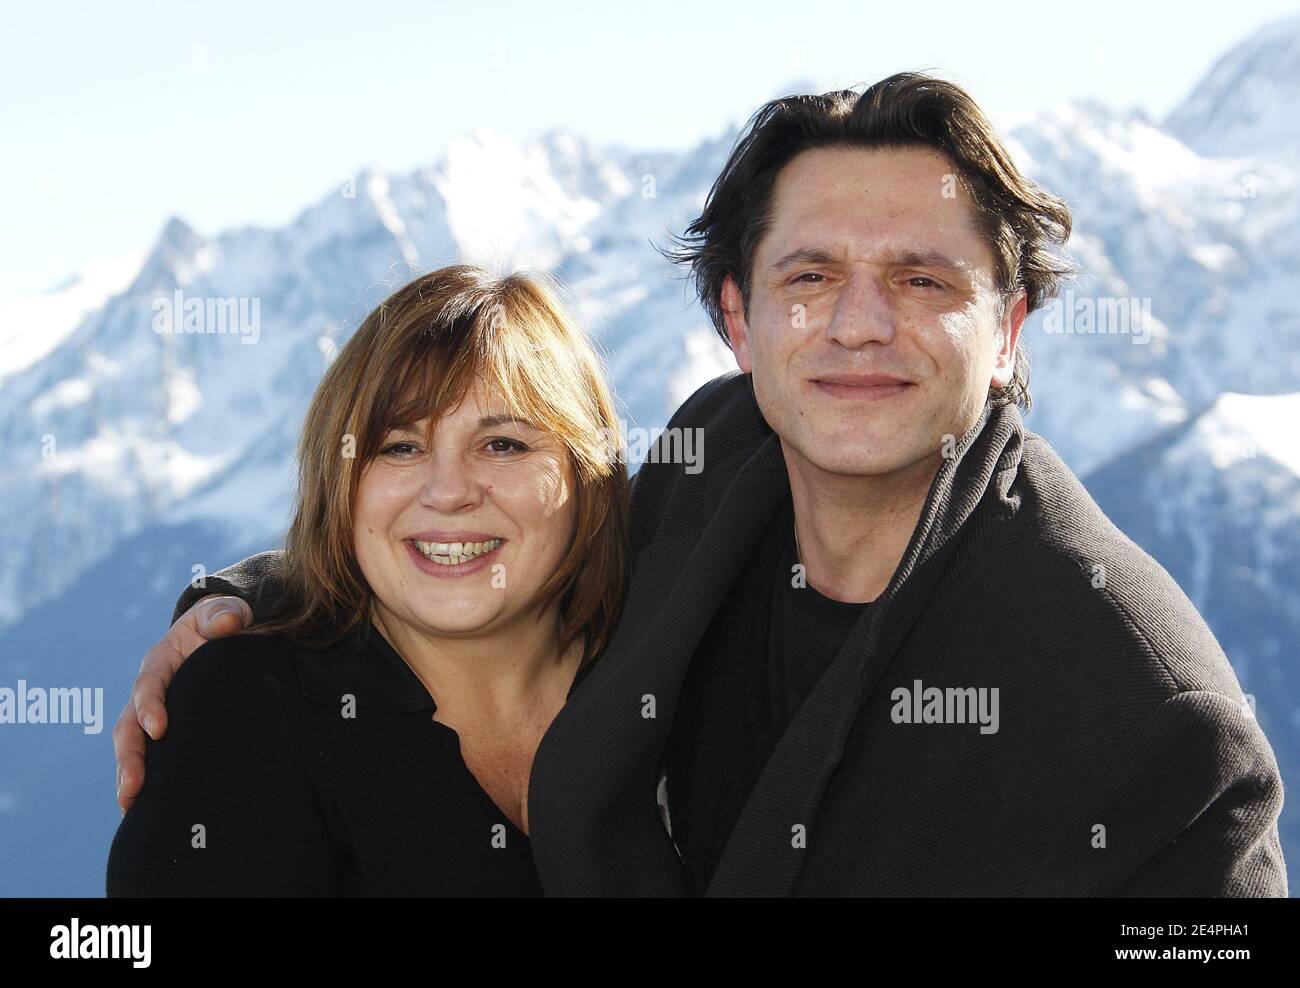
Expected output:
{"points": [[971, 489], [364, 665], [596, 824]]}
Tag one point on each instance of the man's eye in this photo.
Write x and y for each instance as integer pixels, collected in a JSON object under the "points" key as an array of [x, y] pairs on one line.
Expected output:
{"points": [[511, 444], [807, 274], [925, 282]]}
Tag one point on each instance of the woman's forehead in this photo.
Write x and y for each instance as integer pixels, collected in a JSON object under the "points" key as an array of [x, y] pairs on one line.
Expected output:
{"points": [[478, 408]]}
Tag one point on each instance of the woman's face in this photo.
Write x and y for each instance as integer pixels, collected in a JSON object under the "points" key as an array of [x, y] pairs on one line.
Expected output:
{"points": [[456, 538]]}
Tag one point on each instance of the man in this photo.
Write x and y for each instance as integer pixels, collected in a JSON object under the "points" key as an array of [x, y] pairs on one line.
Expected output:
{"points": [[885, 643]]}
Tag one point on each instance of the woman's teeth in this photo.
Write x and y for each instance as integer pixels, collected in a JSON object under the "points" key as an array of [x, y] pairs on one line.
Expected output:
{"points": [[451, 553]]}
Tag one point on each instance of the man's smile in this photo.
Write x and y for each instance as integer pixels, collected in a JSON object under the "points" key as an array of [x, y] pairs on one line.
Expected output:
{"points": [[862, 387]]}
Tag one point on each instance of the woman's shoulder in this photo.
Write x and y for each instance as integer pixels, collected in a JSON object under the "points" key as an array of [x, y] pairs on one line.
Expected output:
{"points": [[247, 651], [247, 664]]}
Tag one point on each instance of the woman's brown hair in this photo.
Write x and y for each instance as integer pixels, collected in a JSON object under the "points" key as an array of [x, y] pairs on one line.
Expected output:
{"points": [[415, 357]]}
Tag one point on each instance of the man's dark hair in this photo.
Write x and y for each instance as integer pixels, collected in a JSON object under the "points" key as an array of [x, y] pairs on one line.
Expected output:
{"points": [[1023, 224]]}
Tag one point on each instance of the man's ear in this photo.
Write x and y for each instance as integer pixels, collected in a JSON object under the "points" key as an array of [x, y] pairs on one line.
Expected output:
{"points": [[733, 312], [1004, 367]]}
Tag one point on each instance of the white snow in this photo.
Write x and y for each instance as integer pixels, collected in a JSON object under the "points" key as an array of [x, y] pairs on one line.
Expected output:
{"points": [[202, 427], [35, 325], [1241, 427]]}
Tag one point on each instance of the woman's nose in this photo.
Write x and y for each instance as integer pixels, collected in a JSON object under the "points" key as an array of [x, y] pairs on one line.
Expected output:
{"points": [[449, 484]]}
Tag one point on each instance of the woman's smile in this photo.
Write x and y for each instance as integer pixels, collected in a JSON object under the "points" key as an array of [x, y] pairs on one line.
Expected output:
{"points": [[453, 559]]}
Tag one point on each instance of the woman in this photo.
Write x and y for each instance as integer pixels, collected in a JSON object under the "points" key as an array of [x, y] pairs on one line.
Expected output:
{"points": [[455, 563]]}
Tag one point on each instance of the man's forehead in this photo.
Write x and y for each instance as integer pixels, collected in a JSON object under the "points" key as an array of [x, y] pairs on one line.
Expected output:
{"points": [[902, 182], [864, 169], [836, 237], [843, 213]]}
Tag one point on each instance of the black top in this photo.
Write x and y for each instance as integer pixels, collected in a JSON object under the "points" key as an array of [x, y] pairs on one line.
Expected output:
{"points": [[289, 771], [807, 630], [1117, 705], [748, 679]]}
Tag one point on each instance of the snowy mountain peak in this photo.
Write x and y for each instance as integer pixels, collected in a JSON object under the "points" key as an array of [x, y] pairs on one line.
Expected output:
{"points": [[179, 255], [1244, 427], [1189, 294], [1245, 104]]}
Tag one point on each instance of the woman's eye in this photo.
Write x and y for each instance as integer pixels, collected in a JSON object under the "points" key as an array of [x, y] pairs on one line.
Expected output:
{"points": [[400, 449], [511, 444]]}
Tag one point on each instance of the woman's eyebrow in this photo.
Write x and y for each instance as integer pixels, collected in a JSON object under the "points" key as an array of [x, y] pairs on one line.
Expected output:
{"points": [[402, 427], [488, 421]]}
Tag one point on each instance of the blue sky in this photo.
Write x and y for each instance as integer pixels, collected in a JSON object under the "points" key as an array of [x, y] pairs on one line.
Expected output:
{"points": [[117, 116]]}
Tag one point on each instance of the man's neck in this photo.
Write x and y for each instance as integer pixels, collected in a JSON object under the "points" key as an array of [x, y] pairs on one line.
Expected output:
{"points": [[852, 531]]}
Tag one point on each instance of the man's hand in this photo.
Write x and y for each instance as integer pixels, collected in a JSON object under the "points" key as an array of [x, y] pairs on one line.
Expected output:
{"points": [[211, 617]]}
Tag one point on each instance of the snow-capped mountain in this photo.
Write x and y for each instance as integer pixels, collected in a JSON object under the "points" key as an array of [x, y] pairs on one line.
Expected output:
{"points": [[1245, 105], [1205, 251], [1216, 500], [120, 425], [133, 455]]}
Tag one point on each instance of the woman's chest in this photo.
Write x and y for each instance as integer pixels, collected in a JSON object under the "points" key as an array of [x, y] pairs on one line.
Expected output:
{"points": [[410, 814]]}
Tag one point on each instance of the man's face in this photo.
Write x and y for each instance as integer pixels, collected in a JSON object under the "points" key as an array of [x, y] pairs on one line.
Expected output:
{"points": [[874, 329]]}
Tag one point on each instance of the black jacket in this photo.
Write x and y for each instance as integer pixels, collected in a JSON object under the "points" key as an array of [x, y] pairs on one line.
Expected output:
{"points": [[313, 772], [1126, 761]]}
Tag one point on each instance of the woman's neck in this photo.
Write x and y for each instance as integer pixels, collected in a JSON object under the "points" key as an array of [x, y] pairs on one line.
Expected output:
{"points": [[514, 674]]}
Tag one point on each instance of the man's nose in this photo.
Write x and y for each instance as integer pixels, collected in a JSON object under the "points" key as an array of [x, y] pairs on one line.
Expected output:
{"points": [[864, 312]]}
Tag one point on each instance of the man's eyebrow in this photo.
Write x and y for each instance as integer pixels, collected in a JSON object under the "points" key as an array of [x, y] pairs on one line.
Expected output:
{"points": [[926, 258], [804, 255], [920, 256]]}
